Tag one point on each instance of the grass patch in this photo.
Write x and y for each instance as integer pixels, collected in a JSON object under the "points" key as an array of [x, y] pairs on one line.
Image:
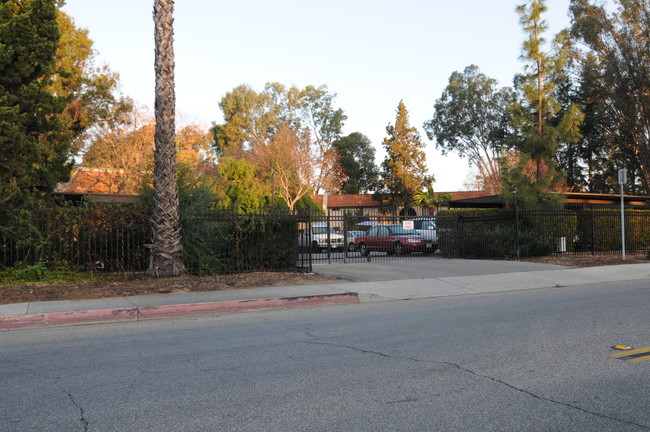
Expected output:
{"points": [[41, 273]]}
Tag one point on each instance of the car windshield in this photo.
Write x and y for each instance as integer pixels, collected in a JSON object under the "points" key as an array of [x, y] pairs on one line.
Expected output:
{"points": [[399, 230], [322, 230], [424, 224]]}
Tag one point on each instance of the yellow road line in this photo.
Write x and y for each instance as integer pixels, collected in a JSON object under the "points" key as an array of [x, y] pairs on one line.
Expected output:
{"points": [[629, 353]]}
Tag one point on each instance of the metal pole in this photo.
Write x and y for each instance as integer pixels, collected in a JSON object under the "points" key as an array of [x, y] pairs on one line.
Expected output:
{"points": [[622, 225], [272, 190], [622, 179], [514, 194]]}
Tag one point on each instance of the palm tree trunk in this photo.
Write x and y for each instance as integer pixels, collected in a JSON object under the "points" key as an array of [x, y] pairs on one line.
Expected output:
{"points": [[166, 248]]}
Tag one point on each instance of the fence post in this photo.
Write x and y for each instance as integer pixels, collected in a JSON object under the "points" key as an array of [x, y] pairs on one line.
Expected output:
{"points": [[516, 227], [345, 237], [461, 243], [593, 233], [308, 238], [329, 238]]}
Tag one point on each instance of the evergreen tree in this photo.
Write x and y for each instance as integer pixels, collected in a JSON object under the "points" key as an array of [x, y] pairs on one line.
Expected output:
{"points": [[35, 152], [359, 174], [541, 124], [614, 80], [404, 168]]}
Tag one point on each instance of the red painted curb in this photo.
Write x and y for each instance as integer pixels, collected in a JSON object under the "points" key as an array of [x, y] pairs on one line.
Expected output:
{"points": [[246, 305], [137, 314], [62, 318]]}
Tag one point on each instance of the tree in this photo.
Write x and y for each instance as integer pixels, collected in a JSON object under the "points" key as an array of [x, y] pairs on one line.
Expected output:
{"points": [[404, 168], [617, 94], [90, 92], [250, 118], [540, 123], [253, 119], [238, 186], [289, 159], [166, 247], [359, 174], [471, 118], [124, 149], [429, 199], [35, 149], [324, 124]]}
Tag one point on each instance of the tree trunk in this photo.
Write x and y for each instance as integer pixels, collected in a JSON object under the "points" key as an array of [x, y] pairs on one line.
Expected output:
{"points": [[166, 248]]}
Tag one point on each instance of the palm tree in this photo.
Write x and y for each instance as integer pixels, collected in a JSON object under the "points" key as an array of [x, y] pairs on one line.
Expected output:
{"points": [[430, 199], [166, 248]]}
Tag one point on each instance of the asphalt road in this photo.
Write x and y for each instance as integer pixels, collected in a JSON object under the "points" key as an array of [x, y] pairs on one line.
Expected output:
{"points": [[517, 361]]}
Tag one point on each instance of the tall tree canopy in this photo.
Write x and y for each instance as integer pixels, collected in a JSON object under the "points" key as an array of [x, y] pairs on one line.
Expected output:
{"points": [[290, 160], [91, 92], [253, 119], [471, 118], [404, 168], [359, 174], [35, 148], [614, 80], [540, 124], [52, 95]]}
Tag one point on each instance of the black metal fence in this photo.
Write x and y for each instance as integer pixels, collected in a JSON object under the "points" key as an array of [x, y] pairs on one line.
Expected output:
{"points": [[113, 238], [510, 234], [104, 238]]}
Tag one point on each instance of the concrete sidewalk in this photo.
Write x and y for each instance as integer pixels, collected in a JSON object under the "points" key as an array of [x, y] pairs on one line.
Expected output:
{"points": [[376, 281]]}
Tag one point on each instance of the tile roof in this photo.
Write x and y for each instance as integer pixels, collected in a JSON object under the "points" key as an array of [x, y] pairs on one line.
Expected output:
{"points": [[365, 200], [93, 181]]}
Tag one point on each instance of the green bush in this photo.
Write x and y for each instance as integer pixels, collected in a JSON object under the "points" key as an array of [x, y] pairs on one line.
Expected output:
{"points": [[229, 242], [476, 233], [91, 236]]}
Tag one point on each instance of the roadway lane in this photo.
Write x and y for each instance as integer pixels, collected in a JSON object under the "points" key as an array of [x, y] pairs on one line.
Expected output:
{"points": [[517, 361]]}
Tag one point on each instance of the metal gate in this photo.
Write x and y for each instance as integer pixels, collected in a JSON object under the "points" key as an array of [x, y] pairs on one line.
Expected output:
{"points": [[345, 238]]}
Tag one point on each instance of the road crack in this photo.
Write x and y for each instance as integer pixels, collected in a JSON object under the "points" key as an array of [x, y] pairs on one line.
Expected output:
{"points": [[318, 341], [82, 415]]}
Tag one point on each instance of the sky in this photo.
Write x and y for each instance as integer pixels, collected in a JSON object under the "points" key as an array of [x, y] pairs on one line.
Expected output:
{"points": [[370, 53]]}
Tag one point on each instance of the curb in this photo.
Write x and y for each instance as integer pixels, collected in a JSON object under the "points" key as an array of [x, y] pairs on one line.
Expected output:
{"points": [[169, 311]]}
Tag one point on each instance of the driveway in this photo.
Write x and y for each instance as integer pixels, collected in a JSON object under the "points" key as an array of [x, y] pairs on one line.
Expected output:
{"points": [[434, 268]]}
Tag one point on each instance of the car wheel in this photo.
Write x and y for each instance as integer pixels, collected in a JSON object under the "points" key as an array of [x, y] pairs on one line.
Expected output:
{"points": [[363, 249], [314, 247], [351, 247], [398, 249]]}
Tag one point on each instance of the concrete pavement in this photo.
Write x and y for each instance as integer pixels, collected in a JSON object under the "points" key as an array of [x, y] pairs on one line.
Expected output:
{"points": [[362, 282]]}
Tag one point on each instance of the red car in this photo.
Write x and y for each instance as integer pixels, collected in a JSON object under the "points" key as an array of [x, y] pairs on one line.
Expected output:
{"points": [[393, 239]]}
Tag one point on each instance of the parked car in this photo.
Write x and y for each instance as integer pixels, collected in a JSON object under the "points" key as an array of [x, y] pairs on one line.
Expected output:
{"points": [[427, 229], [351, 237], [392, 239], [318, 237]]}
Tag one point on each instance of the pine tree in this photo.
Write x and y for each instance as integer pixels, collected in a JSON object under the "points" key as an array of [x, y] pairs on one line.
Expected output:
{"points": [[404, 168], [541, 124], [35, 151]]}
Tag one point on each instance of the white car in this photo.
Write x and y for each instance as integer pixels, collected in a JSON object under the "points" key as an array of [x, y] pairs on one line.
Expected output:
{"points": [[427, 229], [316, 238]]}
